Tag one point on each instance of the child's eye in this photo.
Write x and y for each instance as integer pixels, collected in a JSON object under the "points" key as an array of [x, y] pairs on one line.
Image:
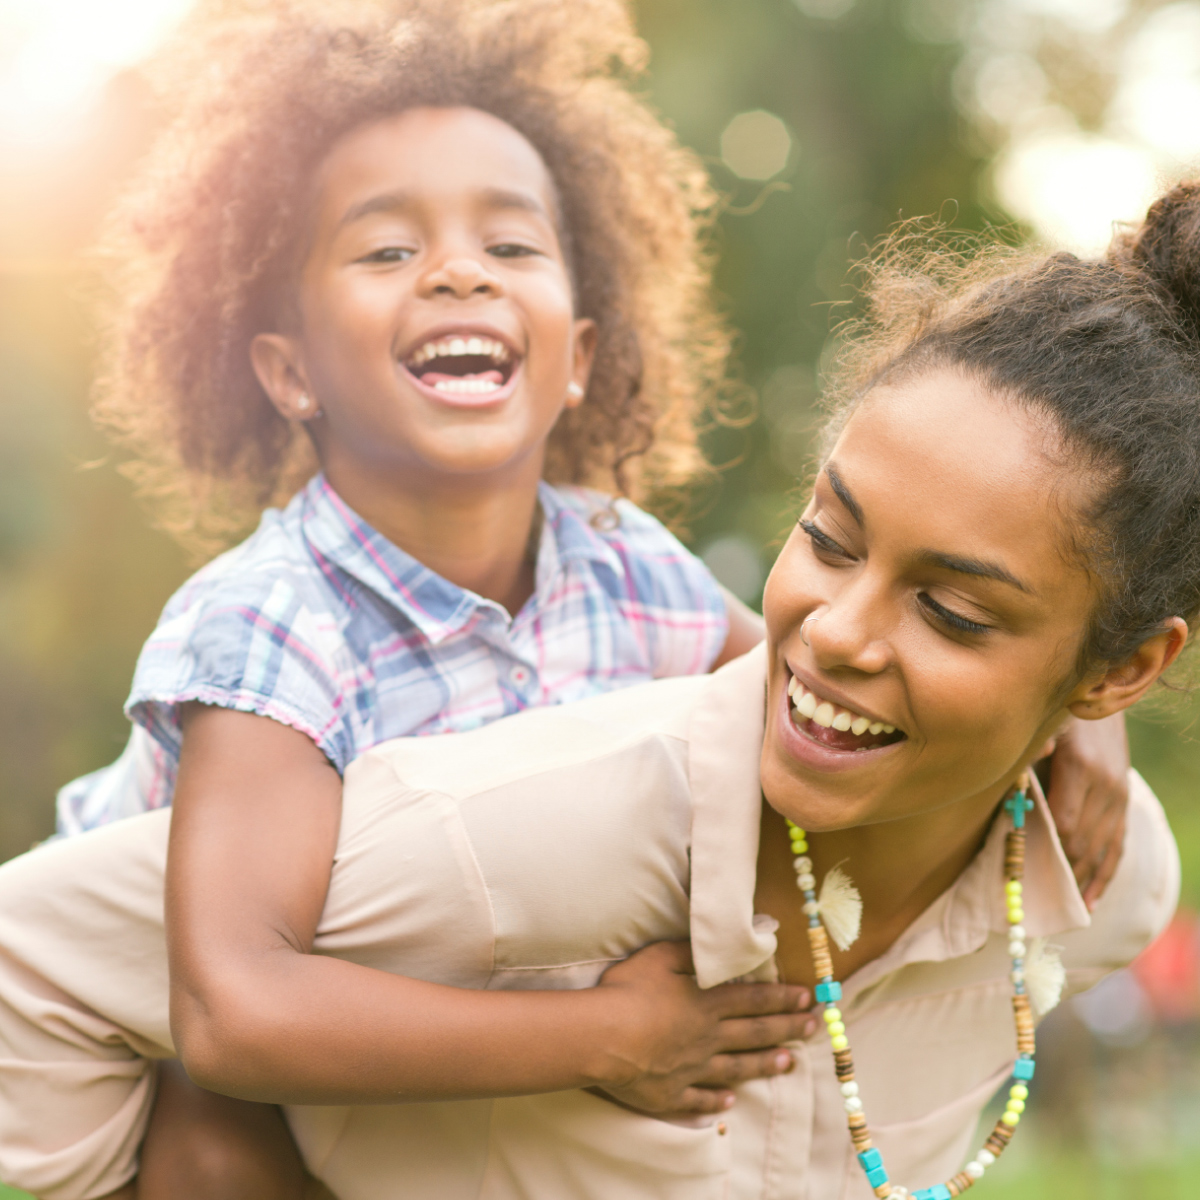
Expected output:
{"points": [[389, 254], [952, 619], [824, 544], [511, 250]]}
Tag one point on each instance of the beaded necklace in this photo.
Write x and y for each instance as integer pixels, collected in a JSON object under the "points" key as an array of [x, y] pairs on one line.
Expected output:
{"points": [[829, 992]]}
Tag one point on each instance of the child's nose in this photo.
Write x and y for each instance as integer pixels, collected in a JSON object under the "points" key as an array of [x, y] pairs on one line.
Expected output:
{"points": [[462, 277]]}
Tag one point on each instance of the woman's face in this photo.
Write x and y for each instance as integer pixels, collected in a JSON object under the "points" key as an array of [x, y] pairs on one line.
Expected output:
{"points": [[926, 588]]}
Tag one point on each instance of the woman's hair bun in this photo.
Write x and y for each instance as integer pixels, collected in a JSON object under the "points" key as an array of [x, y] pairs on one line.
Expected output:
{"points": [[1166, 249]]}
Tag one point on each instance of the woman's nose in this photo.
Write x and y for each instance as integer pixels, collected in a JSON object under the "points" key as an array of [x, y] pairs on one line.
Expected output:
{"points": [[461, 276], [849, 632]]}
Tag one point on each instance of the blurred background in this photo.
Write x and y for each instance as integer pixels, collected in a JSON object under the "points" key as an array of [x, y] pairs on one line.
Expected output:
{"points": [[822, 121]]}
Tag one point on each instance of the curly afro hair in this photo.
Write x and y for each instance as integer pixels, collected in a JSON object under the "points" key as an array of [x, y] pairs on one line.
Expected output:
{"points": [[204, 248]]}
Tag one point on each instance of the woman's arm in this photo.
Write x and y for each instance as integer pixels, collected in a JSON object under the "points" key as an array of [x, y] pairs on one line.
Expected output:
{"points": [[255, 1015]]}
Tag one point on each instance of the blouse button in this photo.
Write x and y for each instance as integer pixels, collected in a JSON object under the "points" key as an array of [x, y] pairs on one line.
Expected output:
{"points": [[519, 676]]}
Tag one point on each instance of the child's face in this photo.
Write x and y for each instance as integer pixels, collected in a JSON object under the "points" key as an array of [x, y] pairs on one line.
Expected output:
{"points": [[437, 330], [932, 559]]}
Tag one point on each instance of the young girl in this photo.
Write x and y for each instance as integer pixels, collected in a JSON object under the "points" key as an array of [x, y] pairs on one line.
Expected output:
{"points": [[924, 640], [451, 257], [456, 265]]}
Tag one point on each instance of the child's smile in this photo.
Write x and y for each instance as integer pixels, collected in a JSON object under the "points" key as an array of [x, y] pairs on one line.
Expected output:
{"points": [[467, 366]]}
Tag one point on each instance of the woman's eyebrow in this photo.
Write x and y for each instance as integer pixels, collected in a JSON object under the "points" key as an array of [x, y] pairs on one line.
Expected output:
{"points": [[971, 566], [843, 493]]}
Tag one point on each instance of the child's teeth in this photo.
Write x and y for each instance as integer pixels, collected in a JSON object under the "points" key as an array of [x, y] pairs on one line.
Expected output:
{"points": [[806, 706], [842, 722], [824, 714], [859, 726], [475, 346], [875, 727]]}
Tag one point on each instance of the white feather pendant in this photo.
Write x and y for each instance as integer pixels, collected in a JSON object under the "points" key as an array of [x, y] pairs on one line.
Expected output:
{"points": [[840, 906], [1044, 976]]}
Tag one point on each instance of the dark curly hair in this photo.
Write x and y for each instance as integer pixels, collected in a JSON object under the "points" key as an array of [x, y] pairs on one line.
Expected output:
{"points": [[1108, 350], [205, 246]]}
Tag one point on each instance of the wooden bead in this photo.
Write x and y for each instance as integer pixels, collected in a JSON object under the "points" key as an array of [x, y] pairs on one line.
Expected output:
{"points": [[843, 1064], [960, 1183], [884, 1189]]}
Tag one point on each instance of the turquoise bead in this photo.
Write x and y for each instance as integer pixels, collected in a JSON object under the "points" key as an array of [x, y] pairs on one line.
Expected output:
{"points": [[938, 1192], [870, 1159], [829, 993], [1023, 1069], [877, 1176]]}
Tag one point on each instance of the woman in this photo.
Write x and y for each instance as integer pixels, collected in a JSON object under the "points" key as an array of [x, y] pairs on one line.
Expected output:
{"points": [[1005, 533]]}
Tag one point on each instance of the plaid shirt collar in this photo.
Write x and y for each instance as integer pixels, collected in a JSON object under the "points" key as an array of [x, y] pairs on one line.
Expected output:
{"points": [[340, 540]]}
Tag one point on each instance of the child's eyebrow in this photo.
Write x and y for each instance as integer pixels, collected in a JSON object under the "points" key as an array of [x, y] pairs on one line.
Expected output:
{"points": [[492, 198]]}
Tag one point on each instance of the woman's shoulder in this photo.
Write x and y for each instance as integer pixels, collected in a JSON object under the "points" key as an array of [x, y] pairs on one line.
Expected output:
{"points": [[1141, 898]]}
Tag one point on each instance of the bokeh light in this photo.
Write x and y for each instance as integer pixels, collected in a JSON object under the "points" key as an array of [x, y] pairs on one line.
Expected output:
{"points": [[56, 55], [756, 145]]}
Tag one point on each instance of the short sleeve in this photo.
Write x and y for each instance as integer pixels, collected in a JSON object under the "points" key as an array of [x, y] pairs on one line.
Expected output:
{"points": [[671, 593], [249, 644]]}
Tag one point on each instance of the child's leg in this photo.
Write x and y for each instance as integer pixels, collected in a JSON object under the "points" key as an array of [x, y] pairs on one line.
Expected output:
{"points": [[203, 1146]]}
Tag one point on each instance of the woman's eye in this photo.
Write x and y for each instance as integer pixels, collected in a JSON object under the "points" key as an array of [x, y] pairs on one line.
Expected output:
{"points": [[389, 254], [941, 613], [824, 544], [511, 250]]}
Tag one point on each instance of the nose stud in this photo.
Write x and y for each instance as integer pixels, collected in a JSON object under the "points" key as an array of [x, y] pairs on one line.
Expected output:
{"points": [[810, 617]]}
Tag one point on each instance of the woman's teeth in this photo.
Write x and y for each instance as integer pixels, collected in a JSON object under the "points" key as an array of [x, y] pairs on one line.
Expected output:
{"points": [[822, 713]]}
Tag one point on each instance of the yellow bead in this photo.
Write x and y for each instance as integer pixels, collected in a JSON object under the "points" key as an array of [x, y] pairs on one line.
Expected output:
{"points": [[1013, 887], [1016, 916], [799, 847], [831, 1015], [1017, 1106], [1011, 1119], [1019, 1091], [836, 1027], [840, 1042]]}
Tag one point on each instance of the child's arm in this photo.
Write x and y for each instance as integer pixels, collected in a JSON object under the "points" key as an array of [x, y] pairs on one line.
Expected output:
{"points": [[746, 629], [255, 1015], [1087, 789]]}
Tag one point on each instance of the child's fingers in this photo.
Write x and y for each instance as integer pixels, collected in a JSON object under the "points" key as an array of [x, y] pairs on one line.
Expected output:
{"points": [[704, 1100], [725, 1070], [1107, 868], [762, 1033], [755, 999]]}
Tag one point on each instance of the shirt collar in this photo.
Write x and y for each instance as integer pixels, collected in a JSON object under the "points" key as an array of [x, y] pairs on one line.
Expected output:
{"points": [[724, 747], [337, 535]]}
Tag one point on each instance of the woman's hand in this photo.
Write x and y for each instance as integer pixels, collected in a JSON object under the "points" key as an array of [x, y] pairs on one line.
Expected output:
{"points": [[1088, 792], [691, 1045]]}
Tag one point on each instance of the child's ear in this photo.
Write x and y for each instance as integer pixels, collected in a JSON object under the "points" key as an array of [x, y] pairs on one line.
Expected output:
{"points": [[1124, 685], [277, 363], [584, 354]]}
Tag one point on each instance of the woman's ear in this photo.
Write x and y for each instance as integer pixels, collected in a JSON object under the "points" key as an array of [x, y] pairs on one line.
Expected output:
{"points": [[277, 363], [1124, 685]]}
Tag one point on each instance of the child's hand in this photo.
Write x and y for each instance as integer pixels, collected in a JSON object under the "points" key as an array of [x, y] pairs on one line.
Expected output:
{"points": [[684, 1047], [1088, 793]]}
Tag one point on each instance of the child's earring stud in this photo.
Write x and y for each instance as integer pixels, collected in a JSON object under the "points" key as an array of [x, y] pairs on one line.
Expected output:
{"points": [[303, 403], [574, 390]]}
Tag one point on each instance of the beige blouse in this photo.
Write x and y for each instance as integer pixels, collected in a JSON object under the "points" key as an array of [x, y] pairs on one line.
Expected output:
{"points": [[533, 853]]}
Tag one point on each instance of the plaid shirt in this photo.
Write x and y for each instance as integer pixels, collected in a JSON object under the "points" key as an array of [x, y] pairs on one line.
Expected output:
{"points": [[321, 623]]}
